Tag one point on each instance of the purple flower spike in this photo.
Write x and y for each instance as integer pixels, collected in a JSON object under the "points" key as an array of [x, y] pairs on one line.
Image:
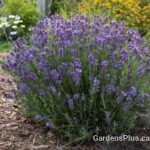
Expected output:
{"points": [[49, 125], [61, 51], [76, 96], [124, 94], [77, 64], [23, 88], [10, 95], [54, 74], [104, 64], [42, 92], [92, 60], [140, 71], [129, 101], [76, 78], [52, 88], [38, 117], [118, 65], [2, 79], [133, 91], [71, 104]]}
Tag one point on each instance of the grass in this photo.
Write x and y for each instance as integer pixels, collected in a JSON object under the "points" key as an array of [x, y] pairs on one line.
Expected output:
{"points": [[4, 46]]}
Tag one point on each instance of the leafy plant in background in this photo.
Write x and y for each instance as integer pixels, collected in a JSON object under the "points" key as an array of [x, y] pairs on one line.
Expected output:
{"points": [[26, 10], [147, 37], [66, 8], [31, 2], [134, 12], [11, 27], [82, 76]]}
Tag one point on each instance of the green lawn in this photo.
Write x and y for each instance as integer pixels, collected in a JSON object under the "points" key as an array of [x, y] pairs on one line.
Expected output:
{"points": [[4, 46]]}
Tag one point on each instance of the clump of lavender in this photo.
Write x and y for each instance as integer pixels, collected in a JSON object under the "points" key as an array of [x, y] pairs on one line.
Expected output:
{"points": [[74, 71]]}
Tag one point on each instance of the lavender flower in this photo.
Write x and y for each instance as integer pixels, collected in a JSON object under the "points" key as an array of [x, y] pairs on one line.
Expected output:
{"points": [[92, 60], [110, 89], [52, 88], [127, 104], [30, 54], [76, 96], [132, 91], [104, 64], [124, 94], [71, 104], [2, 79], [23, 87], [42, 64], [10, 95], [124, 55], [73, 52], [129, 75], [140, 71], [42, 92], [32, 77], [95, 86], [54, 74], [77, 64], [91, 78], [118, 65], [61, 51], [76, 78], [129, 101], [38, 117], [50, 125]]}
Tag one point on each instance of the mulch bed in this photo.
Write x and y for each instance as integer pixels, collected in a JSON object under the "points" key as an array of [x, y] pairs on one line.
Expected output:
{"points": [[19, 132]]}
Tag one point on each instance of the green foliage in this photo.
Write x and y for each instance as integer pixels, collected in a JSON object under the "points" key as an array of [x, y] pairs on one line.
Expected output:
{"points": [[4, 46], [147, 36], [66, 8]]}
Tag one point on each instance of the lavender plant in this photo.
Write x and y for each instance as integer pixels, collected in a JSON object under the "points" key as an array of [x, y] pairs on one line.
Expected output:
{"points": [[82, 76]]}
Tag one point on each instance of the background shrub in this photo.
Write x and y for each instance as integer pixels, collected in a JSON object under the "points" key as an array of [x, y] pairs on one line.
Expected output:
{"points": [[82, 76], [26, 10], [66, 8], [134, 12], [90, 7]]}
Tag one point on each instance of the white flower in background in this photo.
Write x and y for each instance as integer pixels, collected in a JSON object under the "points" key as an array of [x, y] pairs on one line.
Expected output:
{"points": [[14, 27], [11, 24], [23, 26], [3, 19], [20, 21], [6, 24], [30, 29], [11, 16], [13, 33], [16, 22], [17, 17]]}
